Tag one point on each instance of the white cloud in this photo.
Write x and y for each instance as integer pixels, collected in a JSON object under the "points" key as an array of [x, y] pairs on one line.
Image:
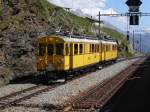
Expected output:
{"points": [[147, 30], [79, 4], [90, 7], [95, 11]]}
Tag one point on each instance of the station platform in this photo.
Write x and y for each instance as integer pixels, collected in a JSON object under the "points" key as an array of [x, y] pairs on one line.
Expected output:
{"points": [[134, 96]]}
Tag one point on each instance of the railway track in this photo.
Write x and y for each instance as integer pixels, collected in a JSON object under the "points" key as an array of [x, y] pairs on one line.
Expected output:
{"points": [[95, 98], [15, 98]]}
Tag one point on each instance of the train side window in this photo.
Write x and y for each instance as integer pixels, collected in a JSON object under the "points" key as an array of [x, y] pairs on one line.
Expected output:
{"points": [[90, 48], [111, 48], [50, 49], [103, 47], [114, 48], [97, 47], [86, 48], [81, 48], [59, 49], [75, 49], [93, 48], [67, 49], [107, 48], [100, 48], [42, 49]]}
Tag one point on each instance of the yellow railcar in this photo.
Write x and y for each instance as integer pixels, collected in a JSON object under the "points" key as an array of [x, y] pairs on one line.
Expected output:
{"points": [[61, 53], [109, 50]]}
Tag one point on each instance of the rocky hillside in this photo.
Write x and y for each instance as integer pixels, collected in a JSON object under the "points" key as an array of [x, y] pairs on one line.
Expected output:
{"points": [[21, 23]]}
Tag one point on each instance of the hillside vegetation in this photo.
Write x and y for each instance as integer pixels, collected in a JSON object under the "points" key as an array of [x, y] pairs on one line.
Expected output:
{"points": [[121, 38], [46, 12], [20, 24]]}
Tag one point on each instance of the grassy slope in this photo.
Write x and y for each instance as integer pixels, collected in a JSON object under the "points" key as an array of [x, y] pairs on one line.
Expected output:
{"points": [[51, 14], [119, 37], [60, 17], [116, 35]]}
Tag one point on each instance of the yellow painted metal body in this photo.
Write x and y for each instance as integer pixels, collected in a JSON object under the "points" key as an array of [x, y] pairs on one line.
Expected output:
{"points": [[85, 54], [60, 62], [110, 53]]}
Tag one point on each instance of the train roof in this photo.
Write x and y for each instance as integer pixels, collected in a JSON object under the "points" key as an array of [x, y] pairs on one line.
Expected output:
{"points": [[70, 39], [84, 40]]}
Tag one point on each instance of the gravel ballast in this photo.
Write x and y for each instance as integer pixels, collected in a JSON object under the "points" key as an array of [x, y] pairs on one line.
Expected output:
{"points": [[23, 109], [11, 88], [61, 94]]}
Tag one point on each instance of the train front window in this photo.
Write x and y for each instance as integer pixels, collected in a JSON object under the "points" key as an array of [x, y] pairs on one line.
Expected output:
{"points": [[59, 49], [42, 49], [50, 49]]}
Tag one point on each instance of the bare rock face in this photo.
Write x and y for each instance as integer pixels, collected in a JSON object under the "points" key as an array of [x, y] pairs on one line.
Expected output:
{"points": [[17, 55], [19, 30], [2, 58], [6, 73]]}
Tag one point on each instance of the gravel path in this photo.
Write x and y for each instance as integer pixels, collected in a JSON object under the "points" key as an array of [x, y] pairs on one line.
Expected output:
{"points": [[6, 90], [61, 94]]}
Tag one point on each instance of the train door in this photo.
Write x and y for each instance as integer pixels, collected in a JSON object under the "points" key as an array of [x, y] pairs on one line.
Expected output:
{"points": [[71, 55], [81, 55], [100, 52], [75, 57], [59, 56], [103, 51], [67, 57], [50, 53], [41, 60]]}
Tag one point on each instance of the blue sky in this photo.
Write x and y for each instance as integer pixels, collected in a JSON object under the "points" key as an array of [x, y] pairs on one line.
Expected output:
{"points": [[119, 6], [92, 7]]}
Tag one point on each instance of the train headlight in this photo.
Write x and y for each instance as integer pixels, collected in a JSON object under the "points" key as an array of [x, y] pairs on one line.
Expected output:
{"points": [[62, 60], [40, 59]]}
